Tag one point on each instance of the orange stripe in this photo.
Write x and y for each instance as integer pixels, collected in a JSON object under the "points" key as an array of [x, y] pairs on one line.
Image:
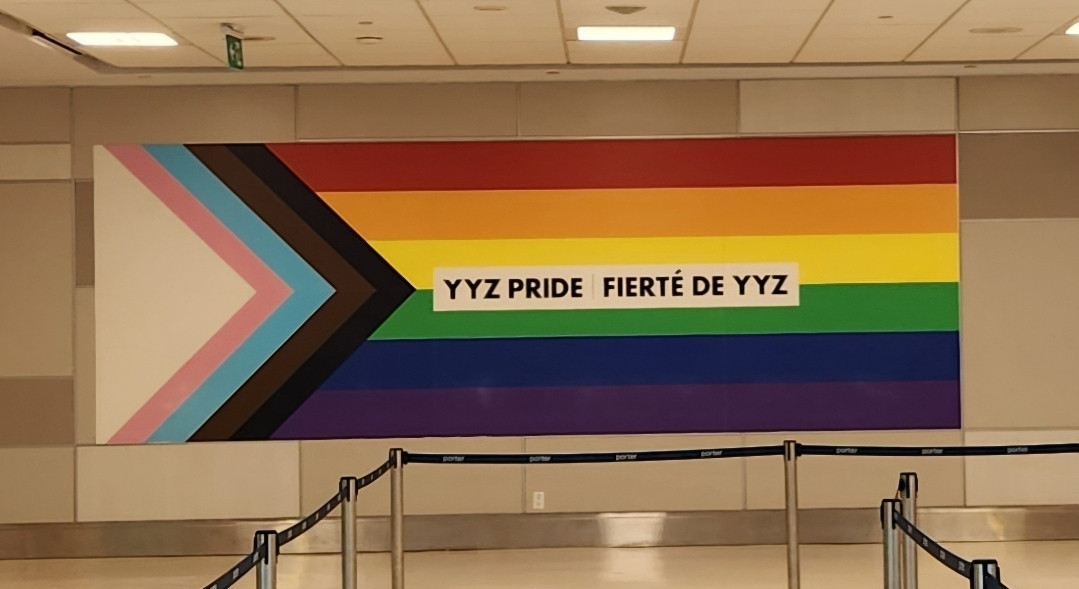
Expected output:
{"points": [[652, 212]]}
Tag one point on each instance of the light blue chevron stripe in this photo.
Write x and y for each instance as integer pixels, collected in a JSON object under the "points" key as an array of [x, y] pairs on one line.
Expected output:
{"points": [[309, 292]]}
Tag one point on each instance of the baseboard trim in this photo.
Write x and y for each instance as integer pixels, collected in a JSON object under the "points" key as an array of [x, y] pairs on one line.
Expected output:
{"points": [[550, 530]]}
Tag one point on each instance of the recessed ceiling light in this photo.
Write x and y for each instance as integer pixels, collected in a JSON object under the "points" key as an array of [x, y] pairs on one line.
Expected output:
{"points": [[625, 33], [122, 39], [996, 30], [489, 8], [1073, 30], [625, 9], [368, 40]]}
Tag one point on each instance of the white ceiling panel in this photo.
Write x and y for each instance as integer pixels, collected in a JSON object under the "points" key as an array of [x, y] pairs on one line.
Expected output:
{"points": [[1055, 47], [526, 32], [25, 62], [841, 43], [209, 8], [875, 30], [1036, 18], [180, 56], [587, 52], [207, 31], [400, 45], [263, 54], [751, 31], [45, 14], [673, 13], [365, 9]]}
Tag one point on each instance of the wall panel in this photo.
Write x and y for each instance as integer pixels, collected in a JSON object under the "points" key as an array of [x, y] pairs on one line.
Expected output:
{"points": [[602, 109], [429, 488], [989, 103], [37, 411], [406, 110], [189, 481], [1018, 175], [35, 115], [37, 485], [653, 486], [1020, 323], [847, 106], [44, 161], [36, 263], [1022, 480], [855, 481], [146, 114], [85, 366]]}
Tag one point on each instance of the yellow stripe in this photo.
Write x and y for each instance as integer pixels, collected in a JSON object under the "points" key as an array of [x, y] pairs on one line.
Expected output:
{"points": [[822, 259]]}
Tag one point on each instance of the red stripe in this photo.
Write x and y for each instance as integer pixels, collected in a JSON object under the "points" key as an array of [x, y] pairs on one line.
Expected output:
{"points": [[632, 163]]}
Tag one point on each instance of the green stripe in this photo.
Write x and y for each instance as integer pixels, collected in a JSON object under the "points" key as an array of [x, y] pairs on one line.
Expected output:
{"points": [[824, 308]]}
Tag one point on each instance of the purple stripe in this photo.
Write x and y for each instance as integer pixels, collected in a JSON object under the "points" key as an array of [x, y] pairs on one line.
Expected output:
{"points": [[626, 410]]}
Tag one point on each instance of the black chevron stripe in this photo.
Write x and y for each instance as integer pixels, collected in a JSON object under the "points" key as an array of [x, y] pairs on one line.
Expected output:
{"points": [[390, 291]]}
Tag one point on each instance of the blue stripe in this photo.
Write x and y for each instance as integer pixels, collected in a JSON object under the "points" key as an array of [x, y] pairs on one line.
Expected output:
{"points": [[606, 361], [310, 291]]}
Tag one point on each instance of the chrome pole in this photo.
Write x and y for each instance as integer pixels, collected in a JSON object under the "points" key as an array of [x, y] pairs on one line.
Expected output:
{"points": [[397, 518], [908, 496], [980, 569], [266, 570], [790, 461], [891, 543], [347, 488]]}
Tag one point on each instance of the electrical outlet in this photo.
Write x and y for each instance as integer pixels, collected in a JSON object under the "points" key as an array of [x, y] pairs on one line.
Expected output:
{"points": [[537, 500]]}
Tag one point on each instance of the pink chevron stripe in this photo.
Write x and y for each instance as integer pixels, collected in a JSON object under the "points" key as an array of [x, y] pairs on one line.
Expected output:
{"points": [[270, 293]]}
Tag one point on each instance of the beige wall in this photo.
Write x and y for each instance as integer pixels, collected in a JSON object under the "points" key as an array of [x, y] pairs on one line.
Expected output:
{"points": [[1020, 256]]}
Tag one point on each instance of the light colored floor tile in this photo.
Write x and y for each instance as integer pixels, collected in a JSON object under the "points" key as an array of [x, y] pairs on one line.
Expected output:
{"points": [[1045, 565]]}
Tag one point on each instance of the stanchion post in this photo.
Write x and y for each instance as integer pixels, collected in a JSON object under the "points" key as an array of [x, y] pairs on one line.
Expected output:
{"points": [[347, 489], [790, 461], [266, 570], [397, 518], [980, 569], [908, 496], [891, 543]]}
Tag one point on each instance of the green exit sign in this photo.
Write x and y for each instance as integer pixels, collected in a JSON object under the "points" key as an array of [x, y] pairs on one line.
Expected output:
{"points": [[234, 48]]}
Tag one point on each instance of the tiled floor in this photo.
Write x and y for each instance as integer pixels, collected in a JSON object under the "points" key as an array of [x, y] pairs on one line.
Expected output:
{"points": [[1033, 565]]}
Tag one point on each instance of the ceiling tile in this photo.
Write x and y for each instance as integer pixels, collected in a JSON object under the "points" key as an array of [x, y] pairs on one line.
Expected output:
{"points": [[588, 52], [1055, 47], [405, 40], [134, 57], [1036, 18], [751, 31], [368, 9], [674, 13], [859, 44], [526, 32], [853, 30], [286, 55], [42, 14], [209, 8], [207, 31]]}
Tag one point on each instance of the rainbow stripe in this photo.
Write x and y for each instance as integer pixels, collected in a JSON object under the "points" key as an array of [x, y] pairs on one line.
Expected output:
{"points": [[872, 223]]}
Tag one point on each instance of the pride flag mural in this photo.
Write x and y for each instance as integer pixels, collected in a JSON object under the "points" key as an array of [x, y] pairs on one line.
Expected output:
{"points": [[570, 287]]}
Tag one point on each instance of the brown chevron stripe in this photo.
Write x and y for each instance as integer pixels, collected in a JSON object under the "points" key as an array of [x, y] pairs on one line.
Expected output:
{"points": [[391, 291], [352, 290]]}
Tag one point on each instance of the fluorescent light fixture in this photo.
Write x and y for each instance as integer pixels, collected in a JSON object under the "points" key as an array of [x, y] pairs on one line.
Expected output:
{"points": [[1073, 30], [625, 33], [122, 39]]}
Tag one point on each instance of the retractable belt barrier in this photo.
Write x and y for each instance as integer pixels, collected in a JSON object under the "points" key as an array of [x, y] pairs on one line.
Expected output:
{"points": [[706, 453], [266, 552], [593, 457], [291, 533], [942, 554]]}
